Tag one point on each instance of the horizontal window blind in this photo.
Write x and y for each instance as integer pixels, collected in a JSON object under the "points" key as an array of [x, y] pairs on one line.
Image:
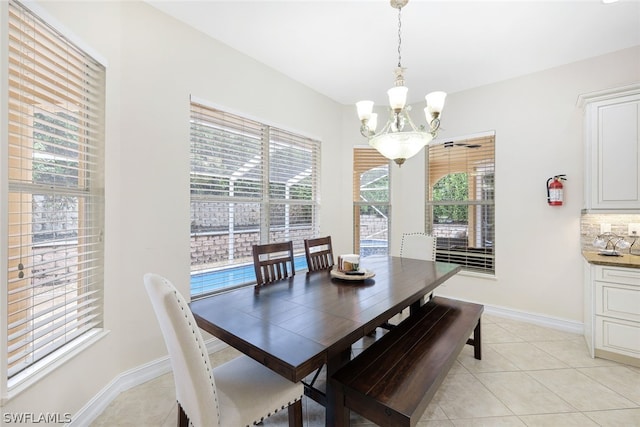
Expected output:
{"points": [[371, 202], [460, 208], [226, 155], [250, 183], [56, 197], [367, 160], [293, 188]]}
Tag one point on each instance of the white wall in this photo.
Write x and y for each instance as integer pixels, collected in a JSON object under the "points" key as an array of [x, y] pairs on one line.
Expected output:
{"points": [[155, 63], [538, 134]]}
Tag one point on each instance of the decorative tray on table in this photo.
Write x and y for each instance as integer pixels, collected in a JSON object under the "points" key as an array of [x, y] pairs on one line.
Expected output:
{"points": [[609, 252], [359, 275]]}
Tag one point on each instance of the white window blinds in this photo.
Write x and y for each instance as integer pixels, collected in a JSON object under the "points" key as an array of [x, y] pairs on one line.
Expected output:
{"points": [[460, 209], [250, 183], [56, 198], [371, 202]]}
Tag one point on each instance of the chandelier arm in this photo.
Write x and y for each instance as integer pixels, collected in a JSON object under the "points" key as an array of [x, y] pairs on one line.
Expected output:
{"points": [[434, 125], [408, 119], [366, 132]]}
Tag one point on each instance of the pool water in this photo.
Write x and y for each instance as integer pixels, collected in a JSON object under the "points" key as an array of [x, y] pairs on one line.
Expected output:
{"points": [[229, 277], [205, 282]]}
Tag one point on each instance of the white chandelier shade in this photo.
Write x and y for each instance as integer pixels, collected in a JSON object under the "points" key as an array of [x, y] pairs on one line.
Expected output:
{"points": [[400, 139], [400, 145]]}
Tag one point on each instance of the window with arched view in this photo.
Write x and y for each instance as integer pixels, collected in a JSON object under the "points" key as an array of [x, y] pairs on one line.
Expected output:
{"points": [[460, 208], [371, 202]]}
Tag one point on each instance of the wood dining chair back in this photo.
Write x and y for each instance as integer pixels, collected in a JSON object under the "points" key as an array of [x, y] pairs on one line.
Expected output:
{"points": [[319, 253], [418, 246], [240, 392], [272, 262]]}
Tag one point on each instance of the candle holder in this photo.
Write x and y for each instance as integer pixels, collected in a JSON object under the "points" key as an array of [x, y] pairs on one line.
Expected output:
{"points": [[633, 248], [610, 244]]}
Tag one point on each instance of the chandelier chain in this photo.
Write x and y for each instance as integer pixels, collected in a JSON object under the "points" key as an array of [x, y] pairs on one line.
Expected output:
{"points": [[399, 37]]}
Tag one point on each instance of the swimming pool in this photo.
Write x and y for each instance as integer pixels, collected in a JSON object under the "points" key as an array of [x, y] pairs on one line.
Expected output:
{"points": [[370, 247], [228, 277]]}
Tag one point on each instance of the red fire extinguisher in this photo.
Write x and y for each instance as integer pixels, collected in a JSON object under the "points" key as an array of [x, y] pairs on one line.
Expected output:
{"points": [[555, 190]]}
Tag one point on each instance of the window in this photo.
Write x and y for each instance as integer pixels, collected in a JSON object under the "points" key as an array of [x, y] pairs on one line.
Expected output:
{"points": [[55, 202], [371, 202], [250, 184], [460, 207]]}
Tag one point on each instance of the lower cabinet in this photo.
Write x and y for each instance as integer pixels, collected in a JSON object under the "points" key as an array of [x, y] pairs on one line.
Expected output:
{"points": [[615, 323]]}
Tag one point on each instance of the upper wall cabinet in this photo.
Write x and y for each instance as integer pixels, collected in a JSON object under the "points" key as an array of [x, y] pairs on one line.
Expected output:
{"points": [[612, 149]]}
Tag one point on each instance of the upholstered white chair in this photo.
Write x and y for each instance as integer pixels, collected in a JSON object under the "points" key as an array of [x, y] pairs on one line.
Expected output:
{"points": [[418, 246], [415, 246], [241, 392]]}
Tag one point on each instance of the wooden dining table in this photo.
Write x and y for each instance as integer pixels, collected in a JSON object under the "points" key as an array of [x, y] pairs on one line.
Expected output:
{"points": [[298, 325]]}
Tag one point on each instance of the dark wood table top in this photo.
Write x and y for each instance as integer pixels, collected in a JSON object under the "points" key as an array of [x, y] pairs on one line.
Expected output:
{"points": [[298, 324]]}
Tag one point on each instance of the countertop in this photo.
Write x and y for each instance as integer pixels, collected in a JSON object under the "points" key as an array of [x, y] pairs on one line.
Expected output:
{"points": [[626, 260]]}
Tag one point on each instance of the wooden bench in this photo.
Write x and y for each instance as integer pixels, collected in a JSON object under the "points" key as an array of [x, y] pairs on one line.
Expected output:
{"points": [[391, 382]]}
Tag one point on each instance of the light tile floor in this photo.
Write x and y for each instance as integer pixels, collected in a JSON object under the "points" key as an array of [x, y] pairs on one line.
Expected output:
{"points": [[528, 376]]}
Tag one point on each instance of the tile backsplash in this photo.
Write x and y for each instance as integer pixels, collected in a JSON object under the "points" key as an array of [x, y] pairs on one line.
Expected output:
{"points": [[590, 228]]}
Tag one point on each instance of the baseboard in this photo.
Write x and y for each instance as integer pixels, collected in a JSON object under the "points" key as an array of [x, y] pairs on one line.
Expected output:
{"points": [[536, 319], [154, 369], [127, 380]]}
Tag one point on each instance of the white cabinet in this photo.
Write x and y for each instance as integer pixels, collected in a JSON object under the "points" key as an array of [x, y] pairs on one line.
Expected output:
{"points": [[589, 311], [612, 294], [612, 138]]}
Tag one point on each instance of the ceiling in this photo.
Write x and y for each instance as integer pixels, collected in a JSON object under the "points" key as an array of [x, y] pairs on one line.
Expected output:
{"points": [[347, 50]]}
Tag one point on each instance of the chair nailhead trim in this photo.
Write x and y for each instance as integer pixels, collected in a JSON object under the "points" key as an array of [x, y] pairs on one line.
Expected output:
{"points": [[205, 359], [256, 422]]}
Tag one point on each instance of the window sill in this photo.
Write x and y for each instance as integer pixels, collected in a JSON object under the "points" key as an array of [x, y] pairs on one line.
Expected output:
{"points": [[478, 275], [33, 374]]}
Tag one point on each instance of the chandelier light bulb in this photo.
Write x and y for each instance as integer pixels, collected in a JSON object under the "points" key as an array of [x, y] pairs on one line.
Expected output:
{"points": [[365, 108], [435, 101], [372, 123], [397, 97]]}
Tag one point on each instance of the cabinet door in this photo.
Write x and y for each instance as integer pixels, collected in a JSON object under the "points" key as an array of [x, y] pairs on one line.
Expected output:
{"points": [[620, 301], [615, 180], [628, 276], [618, 336]]}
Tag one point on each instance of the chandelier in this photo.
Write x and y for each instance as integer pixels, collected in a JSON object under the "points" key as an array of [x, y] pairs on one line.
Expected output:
{"points": [[400, 139]]}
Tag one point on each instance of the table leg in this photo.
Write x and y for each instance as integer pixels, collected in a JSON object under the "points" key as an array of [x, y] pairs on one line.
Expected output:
{"points": [[336, 414], [415, 306]]}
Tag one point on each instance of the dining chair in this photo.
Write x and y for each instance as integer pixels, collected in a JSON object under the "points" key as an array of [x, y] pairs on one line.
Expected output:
{"points": [[241, 392], [415, 246], [418, 246], [319, 253], [273, 261]]}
